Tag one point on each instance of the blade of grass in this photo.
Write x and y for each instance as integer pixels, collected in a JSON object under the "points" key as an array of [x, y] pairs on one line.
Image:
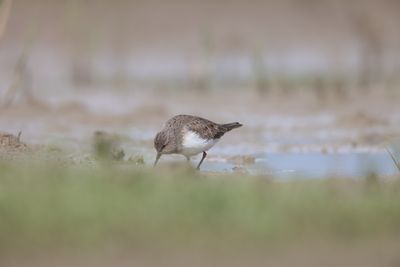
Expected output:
{"points": [[393, 158]]}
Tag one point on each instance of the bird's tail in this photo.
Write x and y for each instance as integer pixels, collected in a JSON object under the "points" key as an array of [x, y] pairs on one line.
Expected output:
{"points": [[230, 126]]}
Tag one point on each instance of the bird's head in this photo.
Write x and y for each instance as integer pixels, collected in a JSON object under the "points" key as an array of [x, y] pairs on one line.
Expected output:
{"points": [[163, 145]]}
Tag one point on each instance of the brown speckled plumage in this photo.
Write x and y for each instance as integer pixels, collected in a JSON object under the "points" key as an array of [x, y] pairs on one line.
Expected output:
{"points": [[170, 139]]}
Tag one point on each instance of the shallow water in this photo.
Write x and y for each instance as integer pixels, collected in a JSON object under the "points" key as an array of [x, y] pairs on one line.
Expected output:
{"points": [[314, 165]]}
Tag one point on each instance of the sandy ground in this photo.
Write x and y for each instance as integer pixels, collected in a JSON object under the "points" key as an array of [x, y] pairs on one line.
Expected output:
{"points": [[280, 130], [276, 123]]}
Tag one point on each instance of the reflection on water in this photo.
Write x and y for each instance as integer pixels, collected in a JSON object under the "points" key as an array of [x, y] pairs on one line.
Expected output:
{"points": [[315, 165]]}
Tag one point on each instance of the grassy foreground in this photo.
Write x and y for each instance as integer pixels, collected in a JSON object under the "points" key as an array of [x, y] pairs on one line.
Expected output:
{"points": [[75, 207]]}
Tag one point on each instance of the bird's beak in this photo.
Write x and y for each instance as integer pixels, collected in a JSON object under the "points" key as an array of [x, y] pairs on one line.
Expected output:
{"points": [[157, 158]]}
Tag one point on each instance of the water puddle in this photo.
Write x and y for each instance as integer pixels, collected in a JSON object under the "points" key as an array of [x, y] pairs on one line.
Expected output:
{"points": [[314, 165]]}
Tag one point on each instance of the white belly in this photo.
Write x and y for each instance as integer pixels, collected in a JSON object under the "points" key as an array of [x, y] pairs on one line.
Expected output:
{"points": [[193, 144]]}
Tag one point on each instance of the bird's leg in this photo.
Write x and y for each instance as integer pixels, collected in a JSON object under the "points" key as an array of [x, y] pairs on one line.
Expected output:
{"points": [[201, 161], [187, 160]]}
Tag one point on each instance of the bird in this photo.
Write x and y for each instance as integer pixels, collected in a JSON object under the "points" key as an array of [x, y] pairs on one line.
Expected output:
{"points": [[189, 135]]}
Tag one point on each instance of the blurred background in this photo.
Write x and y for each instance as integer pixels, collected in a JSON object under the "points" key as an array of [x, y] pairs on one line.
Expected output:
{"points": [[260, 45], [316, 84]]}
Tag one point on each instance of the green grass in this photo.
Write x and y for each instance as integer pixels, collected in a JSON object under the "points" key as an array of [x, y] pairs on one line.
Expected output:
{"points": [[85, 207]]}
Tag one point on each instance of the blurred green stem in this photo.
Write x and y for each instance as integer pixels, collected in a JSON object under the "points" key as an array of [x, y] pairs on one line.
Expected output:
{"points": [[393, 158], [5, 9]]}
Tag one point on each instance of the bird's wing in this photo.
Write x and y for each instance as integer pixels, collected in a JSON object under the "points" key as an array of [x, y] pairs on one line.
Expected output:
{"points": [[205, 128]]}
